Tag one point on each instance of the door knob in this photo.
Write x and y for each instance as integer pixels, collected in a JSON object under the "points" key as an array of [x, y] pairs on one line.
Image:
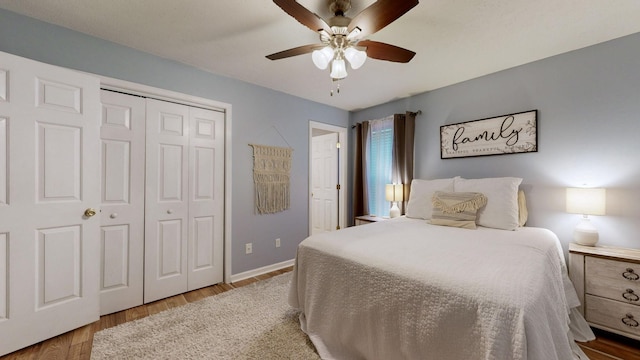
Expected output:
{"points": [[89, 212]]}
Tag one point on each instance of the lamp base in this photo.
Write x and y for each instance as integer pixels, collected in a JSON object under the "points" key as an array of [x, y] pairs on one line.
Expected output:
{"points": [[394, 211], [585, 233]]}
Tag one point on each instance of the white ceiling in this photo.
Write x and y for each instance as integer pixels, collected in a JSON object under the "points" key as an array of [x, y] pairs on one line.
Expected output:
{"points": [[455, 40]]}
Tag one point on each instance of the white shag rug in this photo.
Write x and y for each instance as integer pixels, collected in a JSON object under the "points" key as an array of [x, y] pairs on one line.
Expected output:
{"points": [[250, 322]]}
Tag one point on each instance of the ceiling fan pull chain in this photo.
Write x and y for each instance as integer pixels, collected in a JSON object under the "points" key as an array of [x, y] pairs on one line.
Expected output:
{"points": [[337, 87]]}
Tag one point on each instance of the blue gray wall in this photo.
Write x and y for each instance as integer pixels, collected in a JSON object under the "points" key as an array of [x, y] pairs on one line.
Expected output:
{"points": [[589, 123], [588, 104], [258, 115]]}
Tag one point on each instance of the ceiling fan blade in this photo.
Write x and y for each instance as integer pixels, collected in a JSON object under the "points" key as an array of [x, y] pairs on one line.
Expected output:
{"points": [[300, 50], [380, 14], [382, 51], [304, 16]]}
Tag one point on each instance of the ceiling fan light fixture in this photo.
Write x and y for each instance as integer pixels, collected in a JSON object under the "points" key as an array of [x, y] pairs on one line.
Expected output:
{"points": [[341, 37], [321, 58], [338, 69], [355, 57]]}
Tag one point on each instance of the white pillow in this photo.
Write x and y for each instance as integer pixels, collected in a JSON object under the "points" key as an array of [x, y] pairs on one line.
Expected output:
{"points": [[419, 206], [501, 211]]}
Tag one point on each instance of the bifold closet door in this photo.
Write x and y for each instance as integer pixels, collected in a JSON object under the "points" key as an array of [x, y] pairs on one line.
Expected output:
{"points": [[49, 194], [122, 133], [206, 197], [167, 200], [184, 205]]}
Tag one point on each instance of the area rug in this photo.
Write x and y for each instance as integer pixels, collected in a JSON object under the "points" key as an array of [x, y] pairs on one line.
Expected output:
{"points": [[250, 322]]}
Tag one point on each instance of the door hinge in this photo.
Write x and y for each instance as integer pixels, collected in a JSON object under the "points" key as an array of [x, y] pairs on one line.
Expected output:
{"points": [[338, 145], [338, 187]]}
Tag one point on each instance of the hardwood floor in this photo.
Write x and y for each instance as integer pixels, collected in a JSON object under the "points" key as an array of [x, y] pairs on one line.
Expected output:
{"points": [[609, 346], [76, 344]]}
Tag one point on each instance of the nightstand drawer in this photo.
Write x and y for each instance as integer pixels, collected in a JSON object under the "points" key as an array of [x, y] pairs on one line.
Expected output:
{"points": [[613, 314], [613, 279]]}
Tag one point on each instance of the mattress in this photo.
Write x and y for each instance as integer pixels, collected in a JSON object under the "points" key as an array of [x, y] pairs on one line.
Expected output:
{"points": [[406, 289]]}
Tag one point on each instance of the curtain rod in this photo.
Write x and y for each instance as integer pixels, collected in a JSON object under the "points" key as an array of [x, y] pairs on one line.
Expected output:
{"points": [[419, 112]]}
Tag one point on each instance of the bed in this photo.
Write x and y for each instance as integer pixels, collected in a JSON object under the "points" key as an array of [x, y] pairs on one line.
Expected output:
{"points": [[408, 289]]}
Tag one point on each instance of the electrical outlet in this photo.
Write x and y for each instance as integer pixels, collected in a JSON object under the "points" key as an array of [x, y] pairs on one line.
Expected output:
{"points": [[248, 248], [278, 242]]}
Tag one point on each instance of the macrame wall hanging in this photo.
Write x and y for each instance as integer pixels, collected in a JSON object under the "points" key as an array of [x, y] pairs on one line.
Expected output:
{"points": [[271, 174]]}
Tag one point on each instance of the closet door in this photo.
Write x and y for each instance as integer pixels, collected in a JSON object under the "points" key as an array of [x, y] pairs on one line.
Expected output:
{"points": [[206, 198], [167, 200], [122, 133], [49, 247]]}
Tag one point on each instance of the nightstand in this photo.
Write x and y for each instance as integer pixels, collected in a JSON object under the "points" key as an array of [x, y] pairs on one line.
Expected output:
{"points": [[607, 280], [368, 219]]}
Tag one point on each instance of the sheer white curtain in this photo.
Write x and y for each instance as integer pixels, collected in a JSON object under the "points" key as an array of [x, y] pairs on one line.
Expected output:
{"points": [[379, 159]]}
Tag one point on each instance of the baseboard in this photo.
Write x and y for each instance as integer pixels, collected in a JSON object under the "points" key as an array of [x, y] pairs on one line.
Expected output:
{"points": [[262, 270]]}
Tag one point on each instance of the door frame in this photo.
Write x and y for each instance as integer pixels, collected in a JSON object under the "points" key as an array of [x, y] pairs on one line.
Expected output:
{"points": [[132, 88], [342, 169]]}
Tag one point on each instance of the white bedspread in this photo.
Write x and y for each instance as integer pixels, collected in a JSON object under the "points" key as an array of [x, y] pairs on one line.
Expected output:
{"points": [[405, 289]]}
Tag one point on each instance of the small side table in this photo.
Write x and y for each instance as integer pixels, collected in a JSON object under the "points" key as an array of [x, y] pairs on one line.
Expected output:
{"points": [[368, 219], [607, 280]]}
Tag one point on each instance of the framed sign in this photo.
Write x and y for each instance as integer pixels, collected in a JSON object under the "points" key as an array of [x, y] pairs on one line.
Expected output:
{"points": [[506, 134]]}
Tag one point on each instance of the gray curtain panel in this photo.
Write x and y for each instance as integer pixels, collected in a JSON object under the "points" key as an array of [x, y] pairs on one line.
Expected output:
{"points": [[360, 196], [404, 126]]}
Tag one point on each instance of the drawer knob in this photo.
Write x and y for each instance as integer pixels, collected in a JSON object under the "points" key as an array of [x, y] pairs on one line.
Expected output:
{"points": [[630, 321], [630, 275], [630, 295]]}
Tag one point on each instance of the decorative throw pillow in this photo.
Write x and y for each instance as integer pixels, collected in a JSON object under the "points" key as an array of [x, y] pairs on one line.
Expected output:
{"points": [[458, 209], [502, 210], [523, 213], [421, 192]]}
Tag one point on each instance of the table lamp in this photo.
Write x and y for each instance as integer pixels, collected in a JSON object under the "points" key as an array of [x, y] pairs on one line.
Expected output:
{"points": [[394, 193], [586, 201]]}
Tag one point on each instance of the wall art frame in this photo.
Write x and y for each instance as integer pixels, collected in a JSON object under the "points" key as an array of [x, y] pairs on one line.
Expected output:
{"points": [[500, 135]]}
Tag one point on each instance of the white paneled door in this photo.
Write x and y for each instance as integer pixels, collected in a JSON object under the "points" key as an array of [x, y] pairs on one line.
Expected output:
{"points": [[324, 181], [206, 197], [167, 202], [49, 194], [184, 199], [122, 134]]}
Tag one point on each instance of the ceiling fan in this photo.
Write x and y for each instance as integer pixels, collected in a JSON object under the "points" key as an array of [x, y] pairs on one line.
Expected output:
{"points": [[342, 37]]}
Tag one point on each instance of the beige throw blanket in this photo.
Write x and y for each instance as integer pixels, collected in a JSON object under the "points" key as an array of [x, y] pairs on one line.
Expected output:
{"points": [[271, 172]]}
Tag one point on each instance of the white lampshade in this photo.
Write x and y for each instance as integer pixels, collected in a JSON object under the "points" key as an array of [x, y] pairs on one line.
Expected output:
{"points": [[321, 58], [355, 57], [338, 69], [586, 202], [393, 193]]}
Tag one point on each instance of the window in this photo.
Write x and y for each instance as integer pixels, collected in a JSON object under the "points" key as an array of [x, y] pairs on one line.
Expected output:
{"points": [[379, 168]]}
